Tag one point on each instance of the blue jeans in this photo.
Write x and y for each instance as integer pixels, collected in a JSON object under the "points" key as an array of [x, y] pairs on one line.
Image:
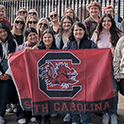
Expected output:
{"points": [[86, 118], [113, 109]]}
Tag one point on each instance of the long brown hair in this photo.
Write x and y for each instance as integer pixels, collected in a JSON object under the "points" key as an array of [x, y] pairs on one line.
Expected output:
{"points": [[114, 31]]}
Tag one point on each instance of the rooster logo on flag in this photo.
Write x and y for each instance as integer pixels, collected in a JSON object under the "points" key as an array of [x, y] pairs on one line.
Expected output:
{"points": [[60, 74]]}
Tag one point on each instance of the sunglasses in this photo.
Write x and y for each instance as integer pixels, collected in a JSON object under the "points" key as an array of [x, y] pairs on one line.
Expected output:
{"points": [[55, 15], [22, 12], [45, 25], [32, 22], [34, 13], [21, 22]]}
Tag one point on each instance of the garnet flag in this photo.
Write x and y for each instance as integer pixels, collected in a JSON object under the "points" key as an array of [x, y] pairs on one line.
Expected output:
{"points": [[63, 81]]}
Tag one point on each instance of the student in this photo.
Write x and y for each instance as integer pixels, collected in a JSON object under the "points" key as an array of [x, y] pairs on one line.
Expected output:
{"points": [[79, 40], [42, 25], [19, 29], [70, 12], [7, 87], [106, 36], [118, 64], [31, 22], [92, 21], [33, 12], [31, 37], [63, 36], [54, 25], [48, 42], [110, 10], [22, 12], [2, 17]]}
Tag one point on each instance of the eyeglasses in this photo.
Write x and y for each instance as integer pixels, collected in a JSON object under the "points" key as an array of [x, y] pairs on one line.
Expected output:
{"points": [[34, 13], [21, 22], [22, 12], [55, 15], [32, 22], [45, 25]]}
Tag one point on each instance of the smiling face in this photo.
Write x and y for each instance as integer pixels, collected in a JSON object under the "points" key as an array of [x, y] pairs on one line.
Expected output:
{"points": [[32, 23], [54, 16], [33, 13], [42, 25], [3, 34], [107, 23], [47, 40], [94, 11], [22, 12], [78, 33], [32, 38], [19, 23], [66, 24]]}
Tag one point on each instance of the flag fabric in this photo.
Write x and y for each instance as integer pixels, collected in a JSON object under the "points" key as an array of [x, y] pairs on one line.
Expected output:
{"points": [[63, 81]]}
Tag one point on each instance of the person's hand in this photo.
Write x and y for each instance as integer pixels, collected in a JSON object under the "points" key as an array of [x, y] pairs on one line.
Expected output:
{"points": [[1, 77], [117, 79], [28, 48], [6, 77]]}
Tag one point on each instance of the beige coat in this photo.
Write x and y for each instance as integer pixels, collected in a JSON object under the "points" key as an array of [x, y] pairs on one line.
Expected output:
{"points": [[118, 62]]}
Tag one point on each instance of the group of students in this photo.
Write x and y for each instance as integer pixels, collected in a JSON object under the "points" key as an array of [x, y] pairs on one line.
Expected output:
{"points": [[30, 32]]}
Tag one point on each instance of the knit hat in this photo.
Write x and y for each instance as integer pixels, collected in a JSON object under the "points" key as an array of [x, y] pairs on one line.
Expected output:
{"points": [[107, 7]]}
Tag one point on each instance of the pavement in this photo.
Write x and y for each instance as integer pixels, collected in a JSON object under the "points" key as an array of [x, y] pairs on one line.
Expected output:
{"points": [[11, 117]]}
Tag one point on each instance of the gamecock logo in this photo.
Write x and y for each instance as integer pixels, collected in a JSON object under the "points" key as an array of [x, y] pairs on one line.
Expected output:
{"points": [[60, 75], [56, 77]]}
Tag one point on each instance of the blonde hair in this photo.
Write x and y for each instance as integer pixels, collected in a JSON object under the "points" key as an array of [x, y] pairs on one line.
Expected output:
{"points": [[94, 3], [14, 28], [2, 6], [38, 24], [31, 17]]}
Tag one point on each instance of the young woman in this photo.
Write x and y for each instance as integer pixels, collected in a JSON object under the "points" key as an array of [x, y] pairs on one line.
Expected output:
{"points": [[79, 40], [54, 26], [63, 36], [42, 25], [106, 36], [31, 22], [33, 12], [7, 87], [48, 42], [70, 12], [18, 29], [92, 21], [31, 40], [22, 12]]}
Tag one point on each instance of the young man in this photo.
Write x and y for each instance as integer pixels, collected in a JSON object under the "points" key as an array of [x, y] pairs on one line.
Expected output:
{"points": [[110, 10], [2, 17]]}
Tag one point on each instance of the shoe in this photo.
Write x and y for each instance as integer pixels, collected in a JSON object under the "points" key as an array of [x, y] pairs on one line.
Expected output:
{"points": [[8, 108], [105, 119], [114, 119], [37, 122], [54, 115], [67, 118], [2, 120], [14, 108], [22, 121], [33, 119]]}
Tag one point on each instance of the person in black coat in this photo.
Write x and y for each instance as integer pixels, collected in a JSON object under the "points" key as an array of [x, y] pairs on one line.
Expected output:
{"points": [[7, 87]]}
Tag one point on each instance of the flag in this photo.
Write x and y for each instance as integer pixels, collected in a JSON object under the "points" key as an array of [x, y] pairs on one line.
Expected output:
{"points": [[63, 81]]}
